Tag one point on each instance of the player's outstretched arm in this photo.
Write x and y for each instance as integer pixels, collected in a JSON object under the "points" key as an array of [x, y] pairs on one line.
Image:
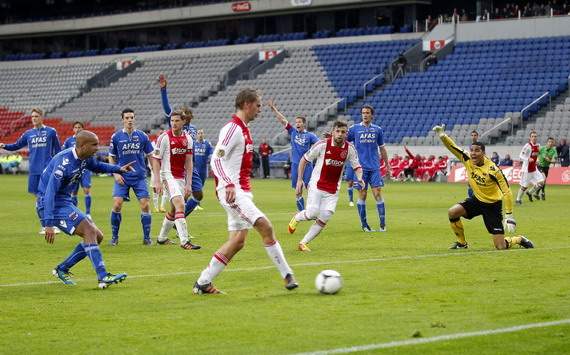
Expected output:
{"points": [[164, 95], [461, 154], [280, 117], [20, 143]]}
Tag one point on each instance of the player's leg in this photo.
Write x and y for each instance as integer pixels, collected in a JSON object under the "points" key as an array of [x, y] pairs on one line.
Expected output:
{"points": [[309, 213], [141, 191], [350, 185], [524, 183], [176, 190], [455, 213], [197, 194], [326, 210], [361, 203], [376, 184], [493, 218], [86, 184], [542, 191], [306, 179], [120, 193]]}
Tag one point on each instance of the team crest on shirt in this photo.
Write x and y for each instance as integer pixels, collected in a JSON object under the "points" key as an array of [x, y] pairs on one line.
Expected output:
{"points": [[220, 153], [343, 154]]}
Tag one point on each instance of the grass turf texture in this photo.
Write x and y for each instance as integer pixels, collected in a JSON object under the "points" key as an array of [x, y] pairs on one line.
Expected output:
{"points": [[396, 283]]}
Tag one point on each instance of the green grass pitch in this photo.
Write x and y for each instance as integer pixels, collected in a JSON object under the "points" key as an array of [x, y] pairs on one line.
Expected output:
{"points": [[396, 284]]}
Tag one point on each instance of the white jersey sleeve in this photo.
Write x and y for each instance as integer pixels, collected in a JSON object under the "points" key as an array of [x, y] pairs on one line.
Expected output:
{"points": [[316, 150], [227, 157], [353, 157], [525, 156]]}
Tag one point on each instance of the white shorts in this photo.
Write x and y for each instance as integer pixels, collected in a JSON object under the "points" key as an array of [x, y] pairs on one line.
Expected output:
{"points": [[243, 213], [173, 188], [320, 200], [533, 178]]}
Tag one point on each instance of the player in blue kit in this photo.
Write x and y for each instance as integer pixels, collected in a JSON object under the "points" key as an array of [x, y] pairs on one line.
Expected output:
{"points": [[42, 142], [202, 151], [55, 207], [197, 183], [130, 145], [301, 142], [86, 177], [367, 138]]}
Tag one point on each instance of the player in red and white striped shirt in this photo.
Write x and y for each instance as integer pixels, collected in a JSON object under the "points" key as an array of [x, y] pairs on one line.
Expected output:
{"points": [[231, 164], [530, 175], [331, 155], [172, 165]]}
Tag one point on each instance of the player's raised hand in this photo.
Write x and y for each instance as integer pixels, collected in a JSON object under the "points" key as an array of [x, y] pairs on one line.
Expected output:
{"points": [[510, 223], [271, 104], [128, 167], [439, 129], [299, 188], [162, 81], [50, 235]]}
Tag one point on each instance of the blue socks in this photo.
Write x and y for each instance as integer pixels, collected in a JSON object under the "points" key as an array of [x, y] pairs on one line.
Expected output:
{"points": [[190, 206], [381, 212], [146, 221], [361, 207], [87, 203], [94, 254], [300, 203], [76, 256], [74, 200], [115, 223], [350, 194]]}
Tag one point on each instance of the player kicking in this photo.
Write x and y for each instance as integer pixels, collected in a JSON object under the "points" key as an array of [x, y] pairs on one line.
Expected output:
{"points": [[301, 142], [130, 145], [367, 138], [86, 177], [172, 165], [331, 155], [530, 175], [55, 206], [490, 190], [232, 163]]}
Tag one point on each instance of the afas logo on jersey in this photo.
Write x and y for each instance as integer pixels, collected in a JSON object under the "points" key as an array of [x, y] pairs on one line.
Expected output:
{"points": [[36, 140], [333, 162]]}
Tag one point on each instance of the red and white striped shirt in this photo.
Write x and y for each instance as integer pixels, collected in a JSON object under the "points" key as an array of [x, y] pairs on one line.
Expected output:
{"points": [[329, 165], [529, 151], [232, 159], [172, 150]]}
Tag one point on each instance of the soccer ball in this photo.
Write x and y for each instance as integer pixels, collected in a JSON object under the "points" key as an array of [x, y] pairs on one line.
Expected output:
{"points": [[328, 282]]}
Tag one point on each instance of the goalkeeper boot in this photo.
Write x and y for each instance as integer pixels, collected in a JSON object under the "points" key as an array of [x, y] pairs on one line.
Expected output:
{"points": [[290, 282], [110, 279], [292, 227], [64, 276], [207, 289], [526, 243], [458, 245]]}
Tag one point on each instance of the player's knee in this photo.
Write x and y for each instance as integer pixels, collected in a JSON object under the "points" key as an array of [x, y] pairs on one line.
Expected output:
{"points": [[500, 243], [117, 205], [325, 215], [312, 213], [453, 213], [145, 205]]}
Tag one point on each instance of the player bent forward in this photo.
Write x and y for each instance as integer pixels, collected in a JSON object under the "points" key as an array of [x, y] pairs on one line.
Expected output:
{"points": [[232, 163], [331, 155], [490, 190]]}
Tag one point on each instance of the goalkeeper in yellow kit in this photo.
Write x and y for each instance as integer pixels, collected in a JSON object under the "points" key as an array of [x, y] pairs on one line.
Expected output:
{"points": [[491, 193]]}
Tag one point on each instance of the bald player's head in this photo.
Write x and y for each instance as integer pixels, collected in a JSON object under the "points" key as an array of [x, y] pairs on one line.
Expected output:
{"points": [[86, 144]]}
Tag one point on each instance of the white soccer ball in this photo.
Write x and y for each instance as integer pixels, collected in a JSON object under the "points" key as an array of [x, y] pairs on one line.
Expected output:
{"points": [[328, 282]]}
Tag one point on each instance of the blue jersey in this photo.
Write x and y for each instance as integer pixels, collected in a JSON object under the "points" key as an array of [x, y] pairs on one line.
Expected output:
{"points": [[202, 152], [69, 142], [59, 179], [301, 142], [42, 143], [125, 148], [366, 140]]}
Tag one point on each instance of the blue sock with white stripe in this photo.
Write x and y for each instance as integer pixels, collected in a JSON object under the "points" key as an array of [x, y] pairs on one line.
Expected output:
{"points": [[191, 204], [115, 223], [146, 222], [300, 203], [94, 254], [381, 212], [87, 203], [350, 194], [76, 256], [361, 207]]}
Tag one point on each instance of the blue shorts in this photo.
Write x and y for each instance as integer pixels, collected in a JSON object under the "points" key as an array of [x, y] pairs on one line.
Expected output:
{"points": [[66, 216], [372, 178], [139, 187], [306, 174], [196, 180], [33, 183], [349, 173]]}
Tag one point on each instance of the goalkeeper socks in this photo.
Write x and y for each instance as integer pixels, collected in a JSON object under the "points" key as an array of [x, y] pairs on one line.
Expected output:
{"points": [[214, 268], [87, 203], [115, 223], [146, 221], [300, 203], [74, 200], [457, 227], [276, 255], [76, 256], [361, 207], [313, 231], [350, 194], [190, 206], [94, 254], [381, 212]]}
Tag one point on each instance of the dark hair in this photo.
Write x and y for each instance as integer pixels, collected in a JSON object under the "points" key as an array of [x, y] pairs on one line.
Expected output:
{"points": [[127, 110], [549, 138], [368, 107], [339, 124], [474, 131], [79, 123], [531, 132], [480, 145], [302, 118], [245, 96]]}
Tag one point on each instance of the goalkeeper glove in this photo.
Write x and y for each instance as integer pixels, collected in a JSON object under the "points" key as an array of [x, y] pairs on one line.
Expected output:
{"points": [[510, 223], [439, 130]]}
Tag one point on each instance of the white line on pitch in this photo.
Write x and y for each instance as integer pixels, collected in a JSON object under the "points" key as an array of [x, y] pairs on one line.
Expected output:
{"points": [[316, 263], [417, 341]]}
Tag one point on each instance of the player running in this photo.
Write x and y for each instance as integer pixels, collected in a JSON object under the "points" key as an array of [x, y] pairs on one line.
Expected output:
{"points": [[490, 190], [55, 206], [172, 165], [130, 145], [530, 175], [367, 138], [232, 163], [331, 156], [546, 156], [301, 142], [85, 181]]}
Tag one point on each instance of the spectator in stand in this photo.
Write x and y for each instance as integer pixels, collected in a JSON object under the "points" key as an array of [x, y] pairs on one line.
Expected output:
{"points": [[395, 166], [256, 163], [495, 158], [563, 153], [414, 163], [441, 166], [507, 161], [265, 151]]}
